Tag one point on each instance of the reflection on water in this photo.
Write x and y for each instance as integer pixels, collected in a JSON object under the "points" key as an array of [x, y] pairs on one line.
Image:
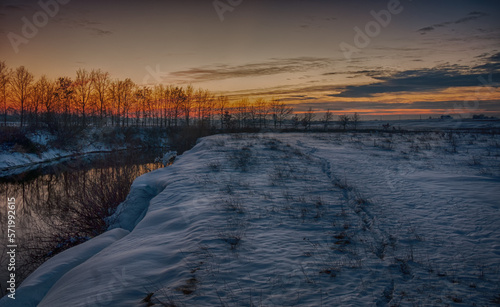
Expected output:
{"points": [[62, 205]]}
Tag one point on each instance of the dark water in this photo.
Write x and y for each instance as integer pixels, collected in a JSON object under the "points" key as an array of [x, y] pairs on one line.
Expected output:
{"points": [[64, 204]]}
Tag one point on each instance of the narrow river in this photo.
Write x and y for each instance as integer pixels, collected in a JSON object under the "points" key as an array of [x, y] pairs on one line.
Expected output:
{"points": [[64, 204]]}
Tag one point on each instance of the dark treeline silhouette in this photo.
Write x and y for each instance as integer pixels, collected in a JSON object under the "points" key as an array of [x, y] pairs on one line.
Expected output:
{"points": [[93, 98]]}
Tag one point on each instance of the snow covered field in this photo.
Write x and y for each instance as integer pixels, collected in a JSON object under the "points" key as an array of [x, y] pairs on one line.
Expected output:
{"points": [[316, 219]]}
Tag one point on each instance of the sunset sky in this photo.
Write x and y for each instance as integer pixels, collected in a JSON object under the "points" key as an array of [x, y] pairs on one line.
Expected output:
{"points": [[408, 57]]}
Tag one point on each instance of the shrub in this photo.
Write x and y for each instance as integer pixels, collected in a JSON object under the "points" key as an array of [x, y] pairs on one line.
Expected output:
{"points": [[15, 139], [241, 158], [65, 138]]}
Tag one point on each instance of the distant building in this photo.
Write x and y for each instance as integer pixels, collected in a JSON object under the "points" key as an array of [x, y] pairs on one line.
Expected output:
{"points": [[446, 117]]}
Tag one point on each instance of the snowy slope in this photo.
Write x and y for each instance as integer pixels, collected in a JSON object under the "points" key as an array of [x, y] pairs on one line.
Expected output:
{"points": [[39, 282], [302, 219]]}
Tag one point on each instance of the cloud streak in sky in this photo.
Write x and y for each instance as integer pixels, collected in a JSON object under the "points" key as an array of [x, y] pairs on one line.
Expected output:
{"points": [[471, 16], [492, 63], [94, 28], [272, 67], [423, 80], [412, 81], [12, 7]]}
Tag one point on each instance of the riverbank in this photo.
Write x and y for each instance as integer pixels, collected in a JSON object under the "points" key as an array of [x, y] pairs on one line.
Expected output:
{"points": [[87, 188], [22, 151]]}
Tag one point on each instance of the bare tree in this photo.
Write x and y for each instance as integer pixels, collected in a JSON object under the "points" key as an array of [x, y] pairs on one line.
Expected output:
{"points": [[209, 107], [83, 91], [203, 105], [229, 124], [165, 100], [344, 120], [355, 120], [114, 93], [146, 106], [48, 99], [122, 96], [199, 103], [188, 103], [308, 118], [143, 98], [222, 103], [5, 77], [295, 121], [327, 118], [280, 112], [252, 114], [101, 83], [178, 97], [126, 90], [64, 94], [240, 112], [36, 101], [158, 106], [21, 89], [262, 107]]}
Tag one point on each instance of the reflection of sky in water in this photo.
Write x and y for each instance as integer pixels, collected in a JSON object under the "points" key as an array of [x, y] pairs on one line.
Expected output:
{"points": [[49, 200]]}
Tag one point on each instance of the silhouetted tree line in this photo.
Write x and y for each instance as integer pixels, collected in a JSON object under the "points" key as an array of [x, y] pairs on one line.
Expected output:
{"points": [[94, 98]]}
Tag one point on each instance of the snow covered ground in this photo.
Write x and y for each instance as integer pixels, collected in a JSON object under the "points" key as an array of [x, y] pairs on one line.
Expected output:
{"points": [[315, 219]]}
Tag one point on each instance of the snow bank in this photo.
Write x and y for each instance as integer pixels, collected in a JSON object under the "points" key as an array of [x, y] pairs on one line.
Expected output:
{"points": [[143, 189], [36, 286]]}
